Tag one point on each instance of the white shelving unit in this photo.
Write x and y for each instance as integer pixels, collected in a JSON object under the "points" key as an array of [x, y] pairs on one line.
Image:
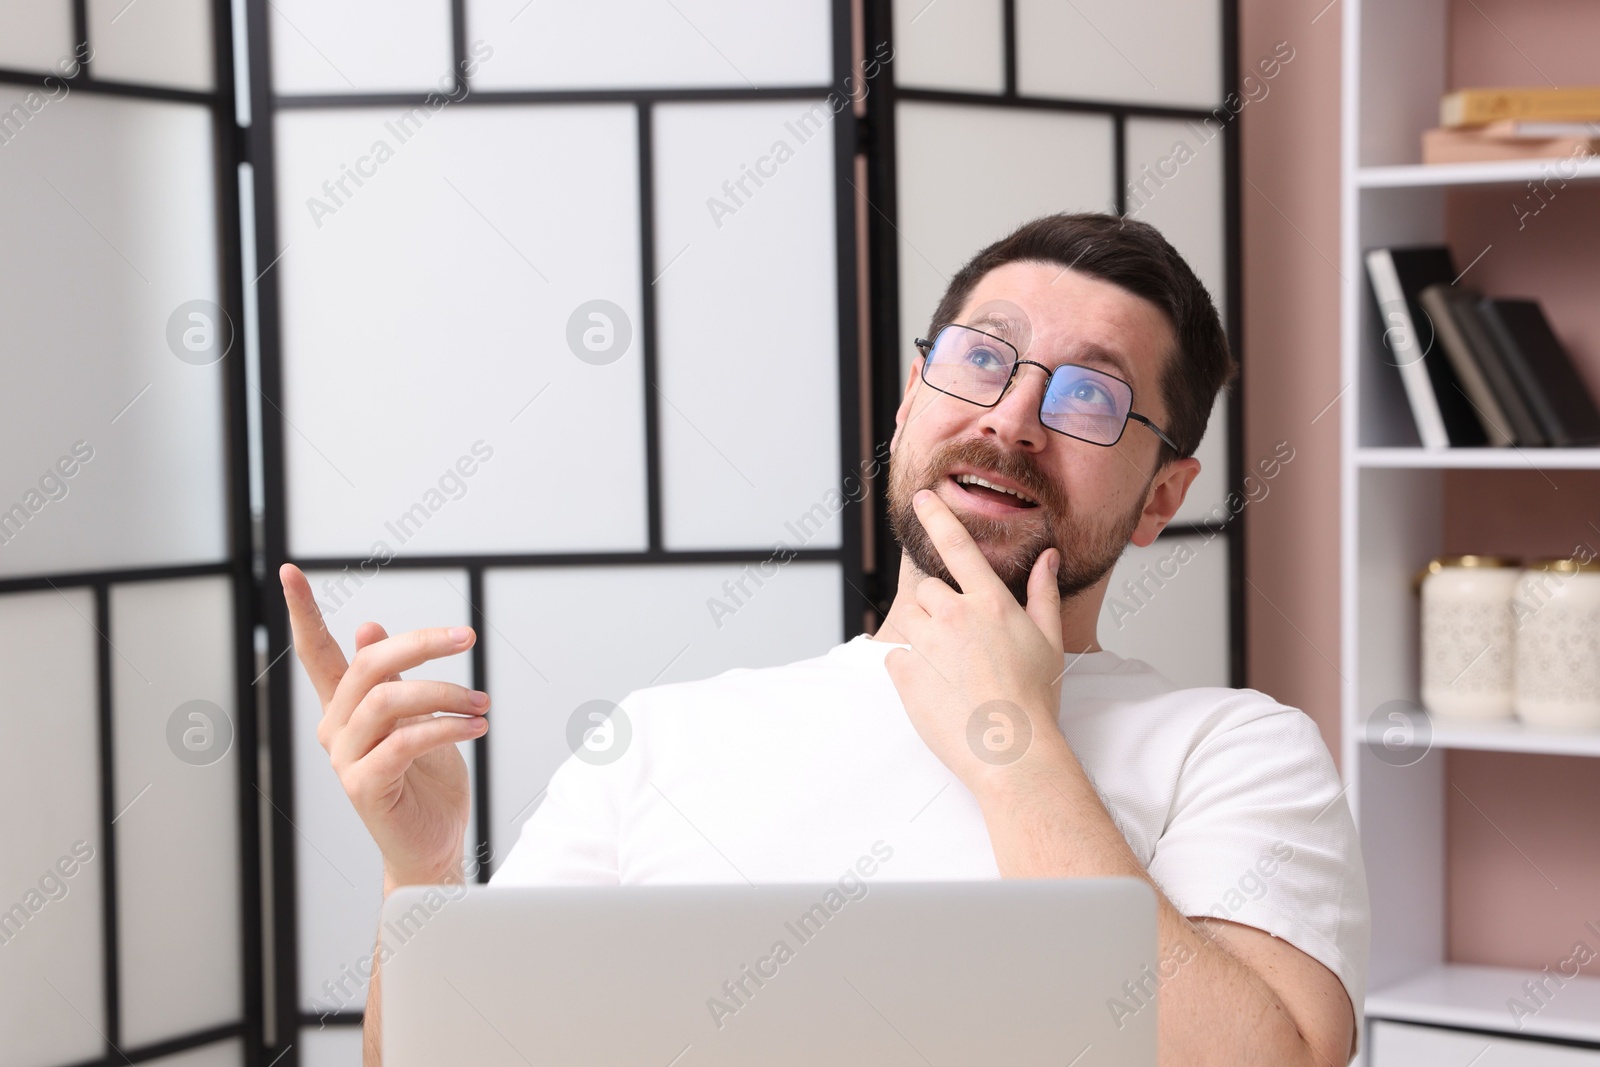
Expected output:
{"points": [[1474, 998], [1513, 172], [1394, 57], [1532, 459]]}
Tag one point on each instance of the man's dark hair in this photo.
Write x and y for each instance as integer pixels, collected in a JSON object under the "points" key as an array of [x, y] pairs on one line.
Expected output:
{"points": [[1135, 256]]}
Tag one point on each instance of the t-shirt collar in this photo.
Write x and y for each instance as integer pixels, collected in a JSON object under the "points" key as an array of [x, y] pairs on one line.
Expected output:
{"points": [[865, 646]]}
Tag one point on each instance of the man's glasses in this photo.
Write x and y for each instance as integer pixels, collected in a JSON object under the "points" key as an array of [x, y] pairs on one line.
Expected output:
{"points": [[1079, 401]]}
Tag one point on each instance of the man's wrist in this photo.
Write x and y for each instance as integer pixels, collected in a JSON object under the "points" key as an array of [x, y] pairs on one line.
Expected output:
{"points": [[395, 877], [1046, 763]]}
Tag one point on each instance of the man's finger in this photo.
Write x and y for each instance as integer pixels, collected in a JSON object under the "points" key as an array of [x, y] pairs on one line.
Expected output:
{"points": [[370, 633], [395, 753], [387, 658], [319, 653], [390, 705], [1044, 596], [961, 554]]}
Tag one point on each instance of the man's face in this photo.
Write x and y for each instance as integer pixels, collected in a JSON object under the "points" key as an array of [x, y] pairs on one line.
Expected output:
{"points": [[1090, 500]]}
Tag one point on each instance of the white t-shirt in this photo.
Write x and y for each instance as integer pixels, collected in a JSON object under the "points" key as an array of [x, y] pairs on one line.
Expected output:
{"points": [[793, 773]]}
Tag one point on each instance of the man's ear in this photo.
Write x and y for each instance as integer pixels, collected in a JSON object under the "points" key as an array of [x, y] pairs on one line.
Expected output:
{"points": [[1165, 496]]}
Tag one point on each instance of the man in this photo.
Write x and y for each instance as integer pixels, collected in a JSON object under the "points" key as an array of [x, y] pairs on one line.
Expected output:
{"points": [[982, 732]]}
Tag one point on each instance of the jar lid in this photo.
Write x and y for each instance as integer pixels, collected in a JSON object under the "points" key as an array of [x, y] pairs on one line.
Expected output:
{"points": [[1439, 563], [1565, 566]]}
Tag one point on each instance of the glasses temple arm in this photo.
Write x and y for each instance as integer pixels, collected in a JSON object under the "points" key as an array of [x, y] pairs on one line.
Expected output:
{"points": [[1155, 430]]}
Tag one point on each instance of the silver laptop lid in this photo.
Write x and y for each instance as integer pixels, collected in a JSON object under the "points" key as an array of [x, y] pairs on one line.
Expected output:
{"points": [[1024, 972]]}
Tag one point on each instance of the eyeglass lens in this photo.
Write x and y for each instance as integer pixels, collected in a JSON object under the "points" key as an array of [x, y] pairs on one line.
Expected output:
{"points": [[1079, 401]]}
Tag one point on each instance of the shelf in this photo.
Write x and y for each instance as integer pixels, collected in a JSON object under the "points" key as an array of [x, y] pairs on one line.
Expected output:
{"points": [[1454, 994], [1481, 458], [1505, 172], [1513, 737]]}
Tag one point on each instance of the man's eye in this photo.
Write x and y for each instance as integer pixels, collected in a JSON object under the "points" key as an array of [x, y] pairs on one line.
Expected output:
{"points": [[1089, 393], [984, 358]]}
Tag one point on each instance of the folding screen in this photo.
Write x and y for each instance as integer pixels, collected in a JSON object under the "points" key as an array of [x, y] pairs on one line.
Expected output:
{"points": [[1003, 110], [130, 925], [558, 342]]}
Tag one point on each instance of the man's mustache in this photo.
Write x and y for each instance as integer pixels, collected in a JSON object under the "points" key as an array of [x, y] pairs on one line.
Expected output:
{"points": [[1010, 467]]}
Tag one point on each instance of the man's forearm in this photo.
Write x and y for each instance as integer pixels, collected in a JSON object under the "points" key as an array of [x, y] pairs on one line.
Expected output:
{"points": [[372, 1019], [1045, 820]]}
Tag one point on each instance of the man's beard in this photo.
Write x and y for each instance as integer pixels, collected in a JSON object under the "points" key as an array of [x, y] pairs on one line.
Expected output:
{"points": [[1087, 553]]}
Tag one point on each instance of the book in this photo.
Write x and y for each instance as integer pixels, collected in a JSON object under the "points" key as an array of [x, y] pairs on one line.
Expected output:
{"points": [[1479, 144], [1557, 396], [1481, 106], [1514, 129], [1443, 414], [1440, 302], [1469, 322]]}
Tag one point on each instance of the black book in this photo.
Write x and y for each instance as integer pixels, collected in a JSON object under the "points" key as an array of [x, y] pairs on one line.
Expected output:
{"points": [[1506, 406], [1439, 300], [1544, 373], [1408, 340]]}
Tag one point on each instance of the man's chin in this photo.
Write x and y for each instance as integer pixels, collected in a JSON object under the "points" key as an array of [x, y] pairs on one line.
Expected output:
{"points": [[1009, 565]]}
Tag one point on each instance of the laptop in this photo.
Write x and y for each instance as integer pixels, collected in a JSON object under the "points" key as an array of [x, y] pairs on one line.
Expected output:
{"points": [[1020, 972]]}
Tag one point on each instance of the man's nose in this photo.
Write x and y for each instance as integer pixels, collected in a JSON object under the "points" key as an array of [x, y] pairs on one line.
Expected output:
{"points": [[1015, 419]]}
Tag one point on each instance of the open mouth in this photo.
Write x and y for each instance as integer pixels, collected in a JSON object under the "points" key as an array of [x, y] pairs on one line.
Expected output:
{"points": [[990, 496]]}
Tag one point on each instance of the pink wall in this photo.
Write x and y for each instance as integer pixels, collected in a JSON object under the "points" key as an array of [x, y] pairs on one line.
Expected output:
{"points": [[1290, 196], [1523, 42], [1522, 850], [1515, 824]]}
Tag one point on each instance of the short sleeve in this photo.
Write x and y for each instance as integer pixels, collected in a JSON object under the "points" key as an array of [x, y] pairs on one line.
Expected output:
{"points": [[571, 838], [1260, 834]]}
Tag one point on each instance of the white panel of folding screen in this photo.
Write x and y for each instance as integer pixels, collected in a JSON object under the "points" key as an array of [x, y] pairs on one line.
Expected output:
{"points": [[425, 321], [940, 44], [177, 816], [1175, 178], [333, 1047], [360, 46], [564, 636], [221, 1054], [114, 445], [153, 42], [1149, 52], [643, 44], [52, 995], [748, 331], [1158, 605], [35, 35]]}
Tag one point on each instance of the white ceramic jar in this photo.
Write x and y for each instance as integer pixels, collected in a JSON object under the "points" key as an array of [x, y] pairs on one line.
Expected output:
{"points": [[1557, 613], [1469, 637]]}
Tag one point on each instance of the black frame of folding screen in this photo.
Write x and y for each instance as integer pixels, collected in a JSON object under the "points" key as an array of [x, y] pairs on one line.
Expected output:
{"points": [[288, 1016], [884, 273], [238, 567]]}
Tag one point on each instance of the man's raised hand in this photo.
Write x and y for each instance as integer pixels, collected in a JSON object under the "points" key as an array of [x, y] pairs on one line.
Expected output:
{"points": [[396, 760], [978, 660]]}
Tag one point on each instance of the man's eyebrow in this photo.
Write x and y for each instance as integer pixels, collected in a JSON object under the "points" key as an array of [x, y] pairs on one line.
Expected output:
{"points": [[999, 325], [1090, 352]]}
